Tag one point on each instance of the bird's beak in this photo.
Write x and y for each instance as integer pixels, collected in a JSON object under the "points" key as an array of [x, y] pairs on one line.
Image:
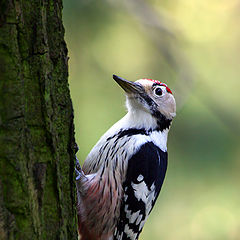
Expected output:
{"points": [[129, 87]]}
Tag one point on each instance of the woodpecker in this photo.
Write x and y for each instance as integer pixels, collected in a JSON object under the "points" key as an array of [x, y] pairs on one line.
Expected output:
{"points": [[122, 176]]}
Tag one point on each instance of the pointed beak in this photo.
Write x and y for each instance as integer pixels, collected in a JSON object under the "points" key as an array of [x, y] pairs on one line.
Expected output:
{"points": [[128, 86]]}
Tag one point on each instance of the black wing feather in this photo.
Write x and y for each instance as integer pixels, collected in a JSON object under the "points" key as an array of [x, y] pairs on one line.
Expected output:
{"points": [[150, 162]]}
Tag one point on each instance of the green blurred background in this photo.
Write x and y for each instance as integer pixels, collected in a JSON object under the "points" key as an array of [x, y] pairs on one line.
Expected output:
{"points": [[193, 46]]}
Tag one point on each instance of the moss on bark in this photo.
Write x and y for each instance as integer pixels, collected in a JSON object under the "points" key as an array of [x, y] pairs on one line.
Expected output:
{"points": [[37, 191]]}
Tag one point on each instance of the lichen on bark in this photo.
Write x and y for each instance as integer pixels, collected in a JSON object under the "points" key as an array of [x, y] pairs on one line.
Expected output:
{"points": [[37, 191]]}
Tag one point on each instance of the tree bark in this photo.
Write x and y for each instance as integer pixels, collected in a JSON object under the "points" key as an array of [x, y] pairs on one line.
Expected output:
{"points": [[37, 190]]}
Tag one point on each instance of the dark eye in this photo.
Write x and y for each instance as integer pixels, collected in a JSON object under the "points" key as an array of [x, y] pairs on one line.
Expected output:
{"points": [[158, 91]]}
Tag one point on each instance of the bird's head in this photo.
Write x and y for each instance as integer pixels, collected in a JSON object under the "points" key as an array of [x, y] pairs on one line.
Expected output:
{"points": [[151, 96]]}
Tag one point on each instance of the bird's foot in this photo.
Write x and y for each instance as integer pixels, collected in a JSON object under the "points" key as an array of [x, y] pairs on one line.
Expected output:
{"points": [[78, 170]]}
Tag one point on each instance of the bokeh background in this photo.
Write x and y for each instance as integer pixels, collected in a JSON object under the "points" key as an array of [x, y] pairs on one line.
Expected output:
{"points": [[193, 46]]}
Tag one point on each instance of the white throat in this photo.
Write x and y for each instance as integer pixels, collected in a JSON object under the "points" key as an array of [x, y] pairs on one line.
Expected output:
{"points": [[138, 116], [140, 119]]}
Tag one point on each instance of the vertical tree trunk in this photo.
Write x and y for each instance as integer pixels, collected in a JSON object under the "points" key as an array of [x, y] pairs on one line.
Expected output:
{"points": [[37, 191]]}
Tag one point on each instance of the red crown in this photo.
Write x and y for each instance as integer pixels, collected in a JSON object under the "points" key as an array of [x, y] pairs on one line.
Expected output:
{"points": [[160, 83]]}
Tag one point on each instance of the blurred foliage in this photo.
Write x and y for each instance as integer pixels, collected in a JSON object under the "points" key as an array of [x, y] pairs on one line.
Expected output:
{"points": [[193, 46]]}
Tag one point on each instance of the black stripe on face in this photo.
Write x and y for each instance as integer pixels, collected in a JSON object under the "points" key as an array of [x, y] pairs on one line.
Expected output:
{"points": [[151, 103], [162, 121]]}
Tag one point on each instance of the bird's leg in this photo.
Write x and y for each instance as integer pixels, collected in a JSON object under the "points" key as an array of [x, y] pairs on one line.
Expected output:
{"points": [[81, 179], [78, 168], [79, 173]]}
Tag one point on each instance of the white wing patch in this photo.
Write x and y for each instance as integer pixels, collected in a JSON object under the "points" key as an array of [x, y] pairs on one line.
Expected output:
{"points": [[119, 236], [139, 219], [151, 197], [142, 192], [140, 178], [130, 232], [132, 216]]}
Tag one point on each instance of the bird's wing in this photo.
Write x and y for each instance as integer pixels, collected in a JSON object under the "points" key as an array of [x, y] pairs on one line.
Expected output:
{"points": [[145, 175]]}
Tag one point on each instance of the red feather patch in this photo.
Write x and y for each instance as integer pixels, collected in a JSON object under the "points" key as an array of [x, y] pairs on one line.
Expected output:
{"points": [[160, 83]]}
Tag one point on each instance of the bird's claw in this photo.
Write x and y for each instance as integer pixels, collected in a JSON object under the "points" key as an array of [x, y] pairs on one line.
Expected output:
{"points": [[78, 170]]}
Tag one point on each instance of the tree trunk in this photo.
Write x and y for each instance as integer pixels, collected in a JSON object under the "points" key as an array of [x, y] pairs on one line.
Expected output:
{"points": [[37, 190]]}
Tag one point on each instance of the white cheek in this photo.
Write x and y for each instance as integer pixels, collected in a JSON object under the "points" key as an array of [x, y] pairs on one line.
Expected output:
{"points": [[167, 106]]}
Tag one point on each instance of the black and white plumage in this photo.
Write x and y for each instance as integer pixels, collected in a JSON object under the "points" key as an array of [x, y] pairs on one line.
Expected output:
{"points": [[145, 175], [124, 172]]}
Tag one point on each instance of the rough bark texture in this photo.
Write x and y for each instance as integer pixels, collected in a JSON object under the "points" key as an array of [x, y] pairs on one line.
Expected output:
{"points": [[37, 191]]}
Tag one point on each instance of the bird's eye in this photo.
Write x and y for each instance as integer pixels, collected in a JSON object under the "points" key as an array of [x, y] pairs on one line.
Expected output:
{"points": [[158, 91]]}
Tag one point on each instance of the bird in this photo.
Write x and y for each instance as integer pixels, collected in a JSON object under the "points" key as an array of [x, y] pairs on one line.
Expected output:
{"points": [[121, 178]]}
